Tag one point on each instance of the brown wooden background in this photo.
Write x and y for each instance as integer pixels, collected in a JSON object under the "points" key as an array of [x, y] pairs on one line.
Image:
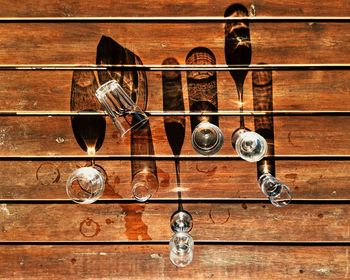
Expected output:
{"points": [[238, 234]]}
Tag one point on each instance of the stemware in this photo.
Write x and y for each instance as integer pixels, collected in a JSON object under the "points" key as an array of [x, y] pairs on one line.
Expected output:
{"points": [[181, 249], [277, 192], [144, 185], [124, 113], [85, 185]]}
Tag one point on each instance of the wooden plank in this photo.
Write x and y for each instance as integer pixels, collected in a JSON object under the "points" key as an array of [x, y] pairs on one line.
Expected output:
{"points": [[307, 90], [76, 42], [54, 136], [152, 261], [169, 8], [201, 179], [215, 221]]}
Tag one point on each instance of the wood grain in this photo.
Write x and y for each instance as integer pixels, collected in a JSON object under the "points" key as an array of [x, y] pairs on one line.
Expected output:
{"points": [[202, 179], [215, 221], [152, 261], [75, 43], [306, 90], [169, 8], [52, 136]]}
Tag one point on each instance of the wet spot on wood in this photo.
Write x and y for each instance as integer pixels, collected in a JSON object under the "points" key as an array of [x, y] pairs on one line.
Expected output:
{"points": [[209, 171], [135, 228], [48, 174], [73, 261], [244, 206], [264, 206], [291, 176], [109, 221], [301, 271], [89, 228], [219, 216], [320, 215]]}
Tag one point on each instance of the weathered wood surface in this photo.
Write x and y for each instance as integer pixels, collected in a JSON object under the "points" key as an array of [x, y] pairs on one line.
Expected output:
{"points": [[306, 90], [202, 179], [169, 8], [151, 261], [76, 43], [215, 221], [35, 136]]}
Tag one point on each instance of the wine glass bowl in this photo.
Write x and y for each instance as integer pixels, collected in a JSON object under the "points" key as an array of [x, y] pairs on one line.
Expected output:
{"points": [[85, 185], [181, 249], [278, 193], [207, 139], [249, 145]]}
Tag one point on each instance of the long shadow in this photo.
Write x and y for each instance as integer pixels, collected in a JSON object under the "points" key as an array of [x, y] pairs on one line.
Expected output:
{"points": [[202, 86], [174, 125], [89, 131], [134, 82], [263, 101], [238, 49]]}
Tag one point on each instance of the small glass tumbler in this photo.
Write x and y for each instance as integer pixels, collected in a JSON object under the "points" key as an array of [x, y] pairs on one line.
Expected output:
{"points": [[144, 185], [124, 113], [85, 185], [277, 192], [181, 221], [249, 145], [181, 249], [207, 139]]}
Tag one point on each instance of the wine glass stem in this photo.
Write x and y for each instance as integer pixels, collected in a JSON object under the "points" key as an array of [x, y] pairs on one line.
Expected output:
{"points": [[179, 195]]}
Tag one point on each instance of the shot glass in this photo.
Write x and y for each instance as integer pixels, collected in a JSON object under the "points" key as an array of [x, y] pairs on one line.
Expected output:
{"points": [[207, 139], [181, 249], [249, 145], [278, 193], [85, 185], [125, 114], [144, 185]]}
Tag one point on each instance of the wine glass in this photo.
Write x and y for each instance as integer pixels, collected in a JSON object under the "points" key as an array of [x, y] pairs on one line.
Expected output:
{"points": [[85, 185], [181, 249], [278, 193], [124, 113], [249, 145]]}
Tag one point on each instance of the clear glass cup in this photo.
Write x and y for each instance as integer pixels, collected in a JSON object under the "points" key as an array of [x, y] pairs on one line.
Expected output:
{"points": [[249, 145], [207, 139], [278, 193], [181, 221], [124, 113], [85, 185], [181, 249], [144, 185]]}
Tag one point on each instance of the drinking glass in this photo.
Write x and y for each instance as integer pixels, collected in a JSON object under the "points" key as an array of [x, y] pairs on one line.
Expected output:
{"points": [[144, 185], [249, 145], [181, 221], [181, 249], [124, 113], [277, 192], [207, 139], [85, 185]]}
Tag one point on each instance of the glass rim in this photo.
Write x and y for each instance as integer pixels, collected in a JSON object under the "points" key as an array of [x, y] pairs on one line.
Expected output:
{"points": [[215, 147]]}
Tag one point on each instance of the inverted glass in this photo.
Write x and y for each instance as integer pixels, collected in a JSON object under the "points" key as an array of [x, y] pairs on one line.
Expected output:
{"points": [[278, 193], [85, 185], [144, 185], [181, 249], [125, 114]]}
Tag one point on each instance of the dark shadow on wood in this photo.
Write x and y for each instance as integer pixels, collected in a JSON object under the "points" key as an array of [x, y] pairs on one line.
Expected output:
{"points": [[263, 101], [175, 126], [238, 48], [134, 82], [202, 86], [89, 131]]}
